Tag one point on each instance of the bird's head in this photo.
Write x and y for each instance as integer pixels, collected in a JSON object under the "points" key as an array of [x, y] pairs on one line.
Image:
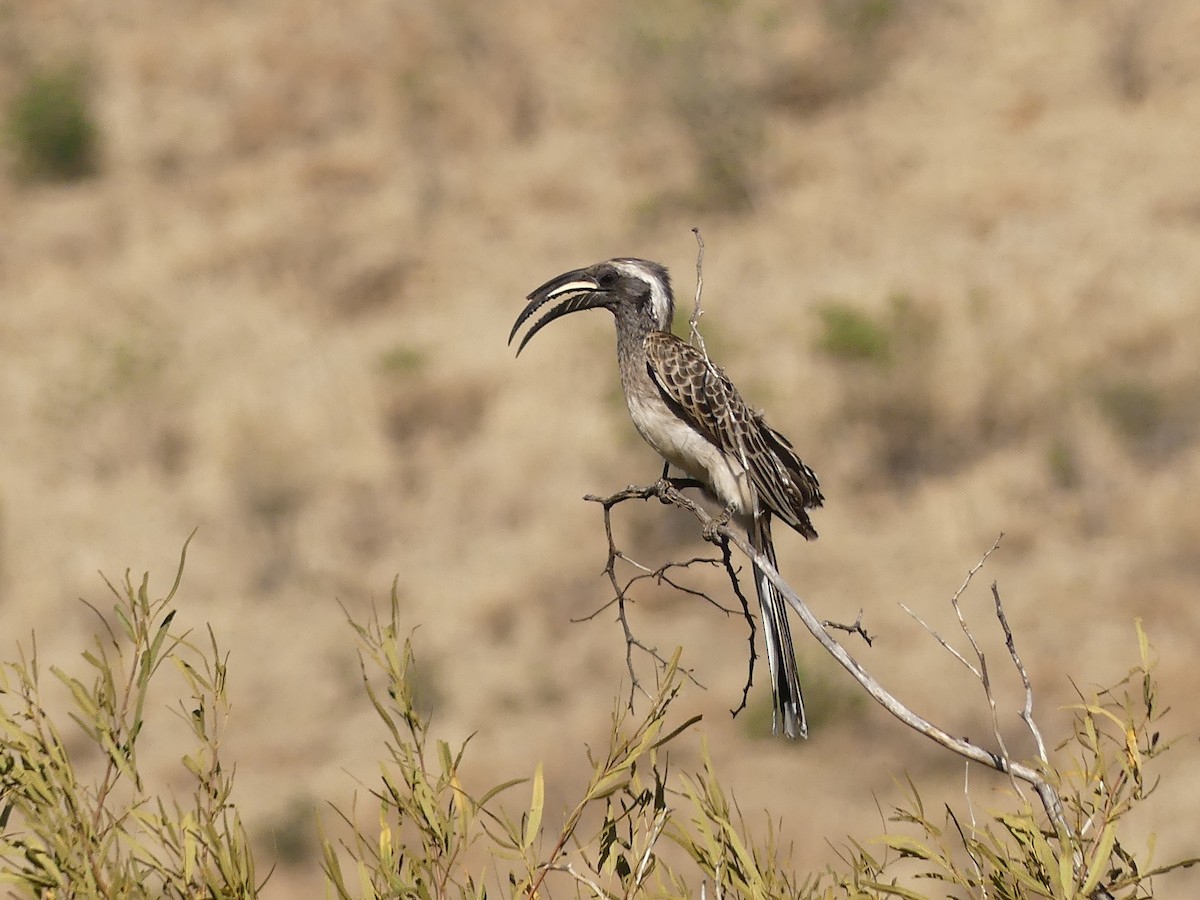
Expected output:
{"points": [[635, 287]]}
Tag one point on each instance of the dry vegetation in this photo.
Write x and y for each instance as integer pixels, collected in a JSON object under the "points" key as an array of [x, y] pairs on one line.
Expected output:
{"points": [[951, 250]]}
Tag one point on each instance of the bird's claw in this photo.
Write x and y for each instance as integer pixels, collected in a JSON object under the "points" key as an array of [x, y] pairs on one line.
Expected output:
{"points": [[712, 526], [663, 488]]}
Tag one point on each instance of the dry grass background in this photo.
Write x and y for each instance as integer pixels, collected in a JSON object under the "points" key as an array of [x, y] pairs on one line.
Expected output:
{"points": [[277, 314]]}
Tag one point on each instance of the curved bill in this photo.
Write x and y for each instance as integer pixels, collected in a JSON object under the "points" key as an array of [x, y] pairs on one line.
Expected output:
{"points": [[581, 290]]}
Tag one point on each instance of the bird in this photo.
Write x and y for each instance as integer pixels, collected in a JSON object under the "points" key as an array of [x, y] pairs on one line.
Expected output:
{"points": [[688, 410]]}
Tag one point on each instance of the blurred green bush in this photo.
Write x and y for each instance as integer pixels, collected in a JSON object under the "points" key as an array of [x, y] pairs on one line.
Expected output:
{"points": [[51, 126]]}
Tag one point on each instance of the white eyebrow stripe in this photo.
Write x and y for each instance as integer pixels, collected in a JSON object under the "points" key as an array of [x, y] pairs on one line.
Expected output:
{"points": [[658, 295], [634, 270]]}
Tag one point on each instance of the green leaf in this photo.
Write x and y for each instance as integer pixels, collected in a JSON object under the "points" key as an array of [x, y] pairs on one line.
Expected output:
{"points": [[1143, 643], [909, 847], [1066, 876], [534, 823], [1104, 848], [498, 789], [609, 784], [676, 732], [749, 866]]}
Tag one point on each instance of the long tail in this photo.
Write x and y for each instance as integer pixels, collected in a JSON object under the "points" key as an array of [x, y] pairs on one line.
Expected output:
{"points": [[785, 680]]}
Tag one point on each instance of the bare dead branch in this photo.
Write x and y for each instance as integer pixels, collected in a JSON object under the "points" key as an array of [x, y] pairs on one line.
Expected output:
{"points": [[941, 640], [1027, 709], [621, 597], [981, 672], [985, 679], [582, 880], [980, 668], [696, 339], [857, 628], [619, 592], [977, 672], [660, 575], [727, 558], [1047, 793]]}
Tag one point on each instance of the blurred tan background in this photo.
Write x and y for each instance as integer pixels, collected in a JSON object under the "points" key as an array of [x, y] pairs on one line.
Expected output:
{"points": [[953, 250]]}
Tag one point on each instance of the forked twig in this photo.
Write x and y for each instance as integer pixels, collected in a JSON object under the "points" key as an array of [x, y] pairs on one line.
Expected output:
{"points": [[980, 668], [984, 678], [856, 628], [622, 599], [620, 593], [621, 596], [1027, 709], [727, 559], [941, 640]]}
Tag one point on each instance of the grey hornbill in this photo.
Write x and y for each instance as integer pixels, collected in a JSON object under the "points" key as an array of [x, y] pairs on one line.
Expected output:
{"points": [[690, 413]]}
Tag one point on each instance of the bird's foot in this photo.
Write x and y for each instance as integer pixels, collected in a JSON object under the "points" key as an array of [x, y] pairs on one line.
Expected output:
{"points": [[662, 489], [712, 526], [665, 486]]}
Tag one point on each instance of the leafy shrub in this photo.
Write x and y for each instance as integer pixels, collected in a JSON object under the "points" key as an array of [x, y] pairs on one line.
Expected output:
{"points": [[684, 58], [848, 333], [890, 387], [638, 828], [1134, 408], [51, 125], [64, 834], [1063, 462], [860, 20]]}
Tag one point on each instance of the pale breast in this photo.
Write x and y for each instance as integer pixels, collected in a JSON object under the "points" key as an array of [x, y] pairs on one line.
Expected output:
{"points": [[686, 449]]}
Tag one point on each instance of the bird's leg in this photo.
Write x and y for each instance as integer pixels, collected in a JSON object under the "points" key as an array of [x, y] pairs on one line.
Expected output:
{"points": [[712, 525]]}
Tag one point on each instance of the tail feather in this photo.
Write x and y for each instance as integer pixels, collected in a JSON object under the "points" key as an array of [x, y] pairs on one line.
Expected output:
{"points": [[785, 679]]}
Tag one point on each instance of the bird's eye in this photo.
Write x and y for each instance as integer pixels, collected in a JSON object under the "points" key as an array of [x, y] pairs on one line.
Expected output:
{"points": [[607, 279]]}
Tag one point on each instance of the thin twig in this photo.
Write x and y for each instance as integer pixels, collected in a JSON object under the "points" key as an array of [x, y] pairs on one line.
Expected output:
{"points": [[727, 558], [580, 878], [857, 628], [643, 869], [631, 640], [941, 640], [974, 830], [621, 592], [1027, 709], [696, 339], [985, 679], [1027, 718], [962, 837], [660, 576], [977, 672]]}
